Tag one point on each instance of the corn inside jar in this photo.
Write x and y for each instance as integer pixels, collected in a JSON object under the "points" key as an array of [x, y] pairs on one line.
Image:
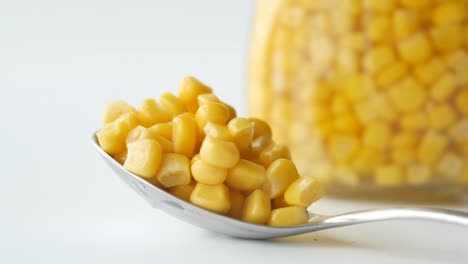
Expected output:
{"points": [[371, 96]]}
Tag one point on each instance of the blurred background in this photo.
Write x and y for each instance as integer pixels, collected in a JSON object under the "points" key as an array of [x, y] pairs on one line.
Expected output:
{"points": [[60, 63]]}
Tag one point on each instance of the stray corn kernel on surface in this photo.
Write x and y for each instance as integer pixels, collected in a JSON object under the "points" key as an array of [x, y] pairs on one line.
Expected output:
{"points": [[366, 93], [193, 146]]}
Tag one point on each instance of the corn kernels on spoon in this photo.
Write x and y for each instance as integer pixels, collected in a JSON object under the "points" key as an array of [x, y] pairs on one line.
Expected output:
{"points": [[195, 215]]}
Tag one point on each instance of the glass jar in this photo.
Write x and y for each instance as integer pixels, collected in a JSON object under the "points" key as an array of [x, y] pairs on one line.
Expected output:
{"points": [[371, 96]]}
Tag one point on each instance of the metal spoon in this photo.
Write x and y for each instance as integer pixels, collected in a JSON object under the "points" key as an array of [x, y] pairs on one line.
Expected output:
{"points": [[195, 215]]}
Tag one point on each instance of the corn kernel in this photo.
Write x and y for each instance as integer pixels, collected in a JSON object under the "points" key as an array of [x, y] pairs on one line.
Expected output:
{"points": [[403, 155], [288, 216], [459, 131], [217, 131], [260, 144], [206, 173], [138, 133], [342, 147], [416, 4], [430, 71], [116, 109], [441, 116], [414, 121], [163, 129], [172, 104], [272, 153], [121, 157], [447, 38], [246, 176], [449, 13], [379, 6], [203, 99], [354, 41], [431, 148], [457, 60], [378, 58], [112, 136], [378, 27], [415, 49], [346, 176], [232, 111], [405, 23], [407, 95], [242, 131], [404, 139], [175, 170], [261, 128], [374, 108], [279, 175], [190, 88], [346, 123], [366, 160], [341, 23], [376, 135], [237, 202], [279, 202], [450, 165], [182, 191], [212, 112], [358, 88], [389, 175], [150, 113], [257, 208], [184, 135], [392, 73], [144, 158], [303, 191], [347, 61], [211, 197], [418, 174], [223, 154], [444, 87], [461, 101], [339, 105]]}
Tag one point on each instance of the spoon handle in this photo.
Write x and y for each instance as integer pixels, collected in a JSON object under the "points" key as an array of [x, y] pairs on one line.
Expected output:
{"points": [[398, 213]]}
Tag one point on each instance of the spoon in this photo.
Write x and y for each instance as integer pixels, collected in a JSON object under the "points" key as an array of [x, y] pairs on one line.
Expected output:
{"points": [[205, 219]]}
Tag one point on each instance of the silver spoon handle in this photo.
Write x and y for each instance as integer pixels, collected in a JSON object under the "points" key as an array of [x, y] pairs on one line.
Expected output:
{"points": [[375, 215]]}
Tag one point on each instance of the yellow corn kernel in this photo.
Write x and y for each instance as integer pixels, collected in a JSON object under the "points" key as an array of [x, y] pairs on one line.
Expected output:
{"points": [[405, 23], [237, 202], [206, 173], [279, 202], [211, 112], [217, 131], [417, 174], [379, 6], [416, 4], [116, 109], [346, 176], [378, 28], [346, 123], [257, 208], [444, 87], [279, 175], [339, 104], [429, 72], [404, 139], [246, 176], [323, 130], [449, 13], [182, 191], [184, 135], [341, 23], [163, 129], [461, 101], [150, 113], [347, 61], [211, 197], [374, 108], [121, 157], [376, 135], [242, 130], [407, 95], [366, 160], [272, 153], [389, 175], [303, 191], [414, 121], [358, 88], [288, 216], [450, 165], [459, 131], [232, 111], [223, 154], [447, 38], [431, 148], [175, 170], [378, 58], [259, 144], [261, 128], [342, 147], [144, 158], [355, 41], [441, 116], [392, 73], [207, 98], [457, 61], [190, 88], [403, 155], [415, 49], [171, 104], [138, 133], [112, 136]]}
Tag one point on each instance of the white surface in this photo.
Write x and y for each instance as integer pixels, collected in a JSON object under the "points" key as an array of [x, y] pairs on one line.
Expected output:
{"points": [[61, 61]]}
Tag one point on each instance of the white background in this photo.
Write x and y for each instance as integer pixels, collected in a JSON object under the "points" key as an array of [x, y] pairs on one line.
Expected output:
{"points": [[61, 61]]}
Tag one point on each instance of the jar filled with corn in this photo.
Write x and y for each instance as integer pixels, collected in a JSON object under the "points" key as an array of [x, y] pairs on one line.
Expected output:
{"points": [[371, 96]]}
